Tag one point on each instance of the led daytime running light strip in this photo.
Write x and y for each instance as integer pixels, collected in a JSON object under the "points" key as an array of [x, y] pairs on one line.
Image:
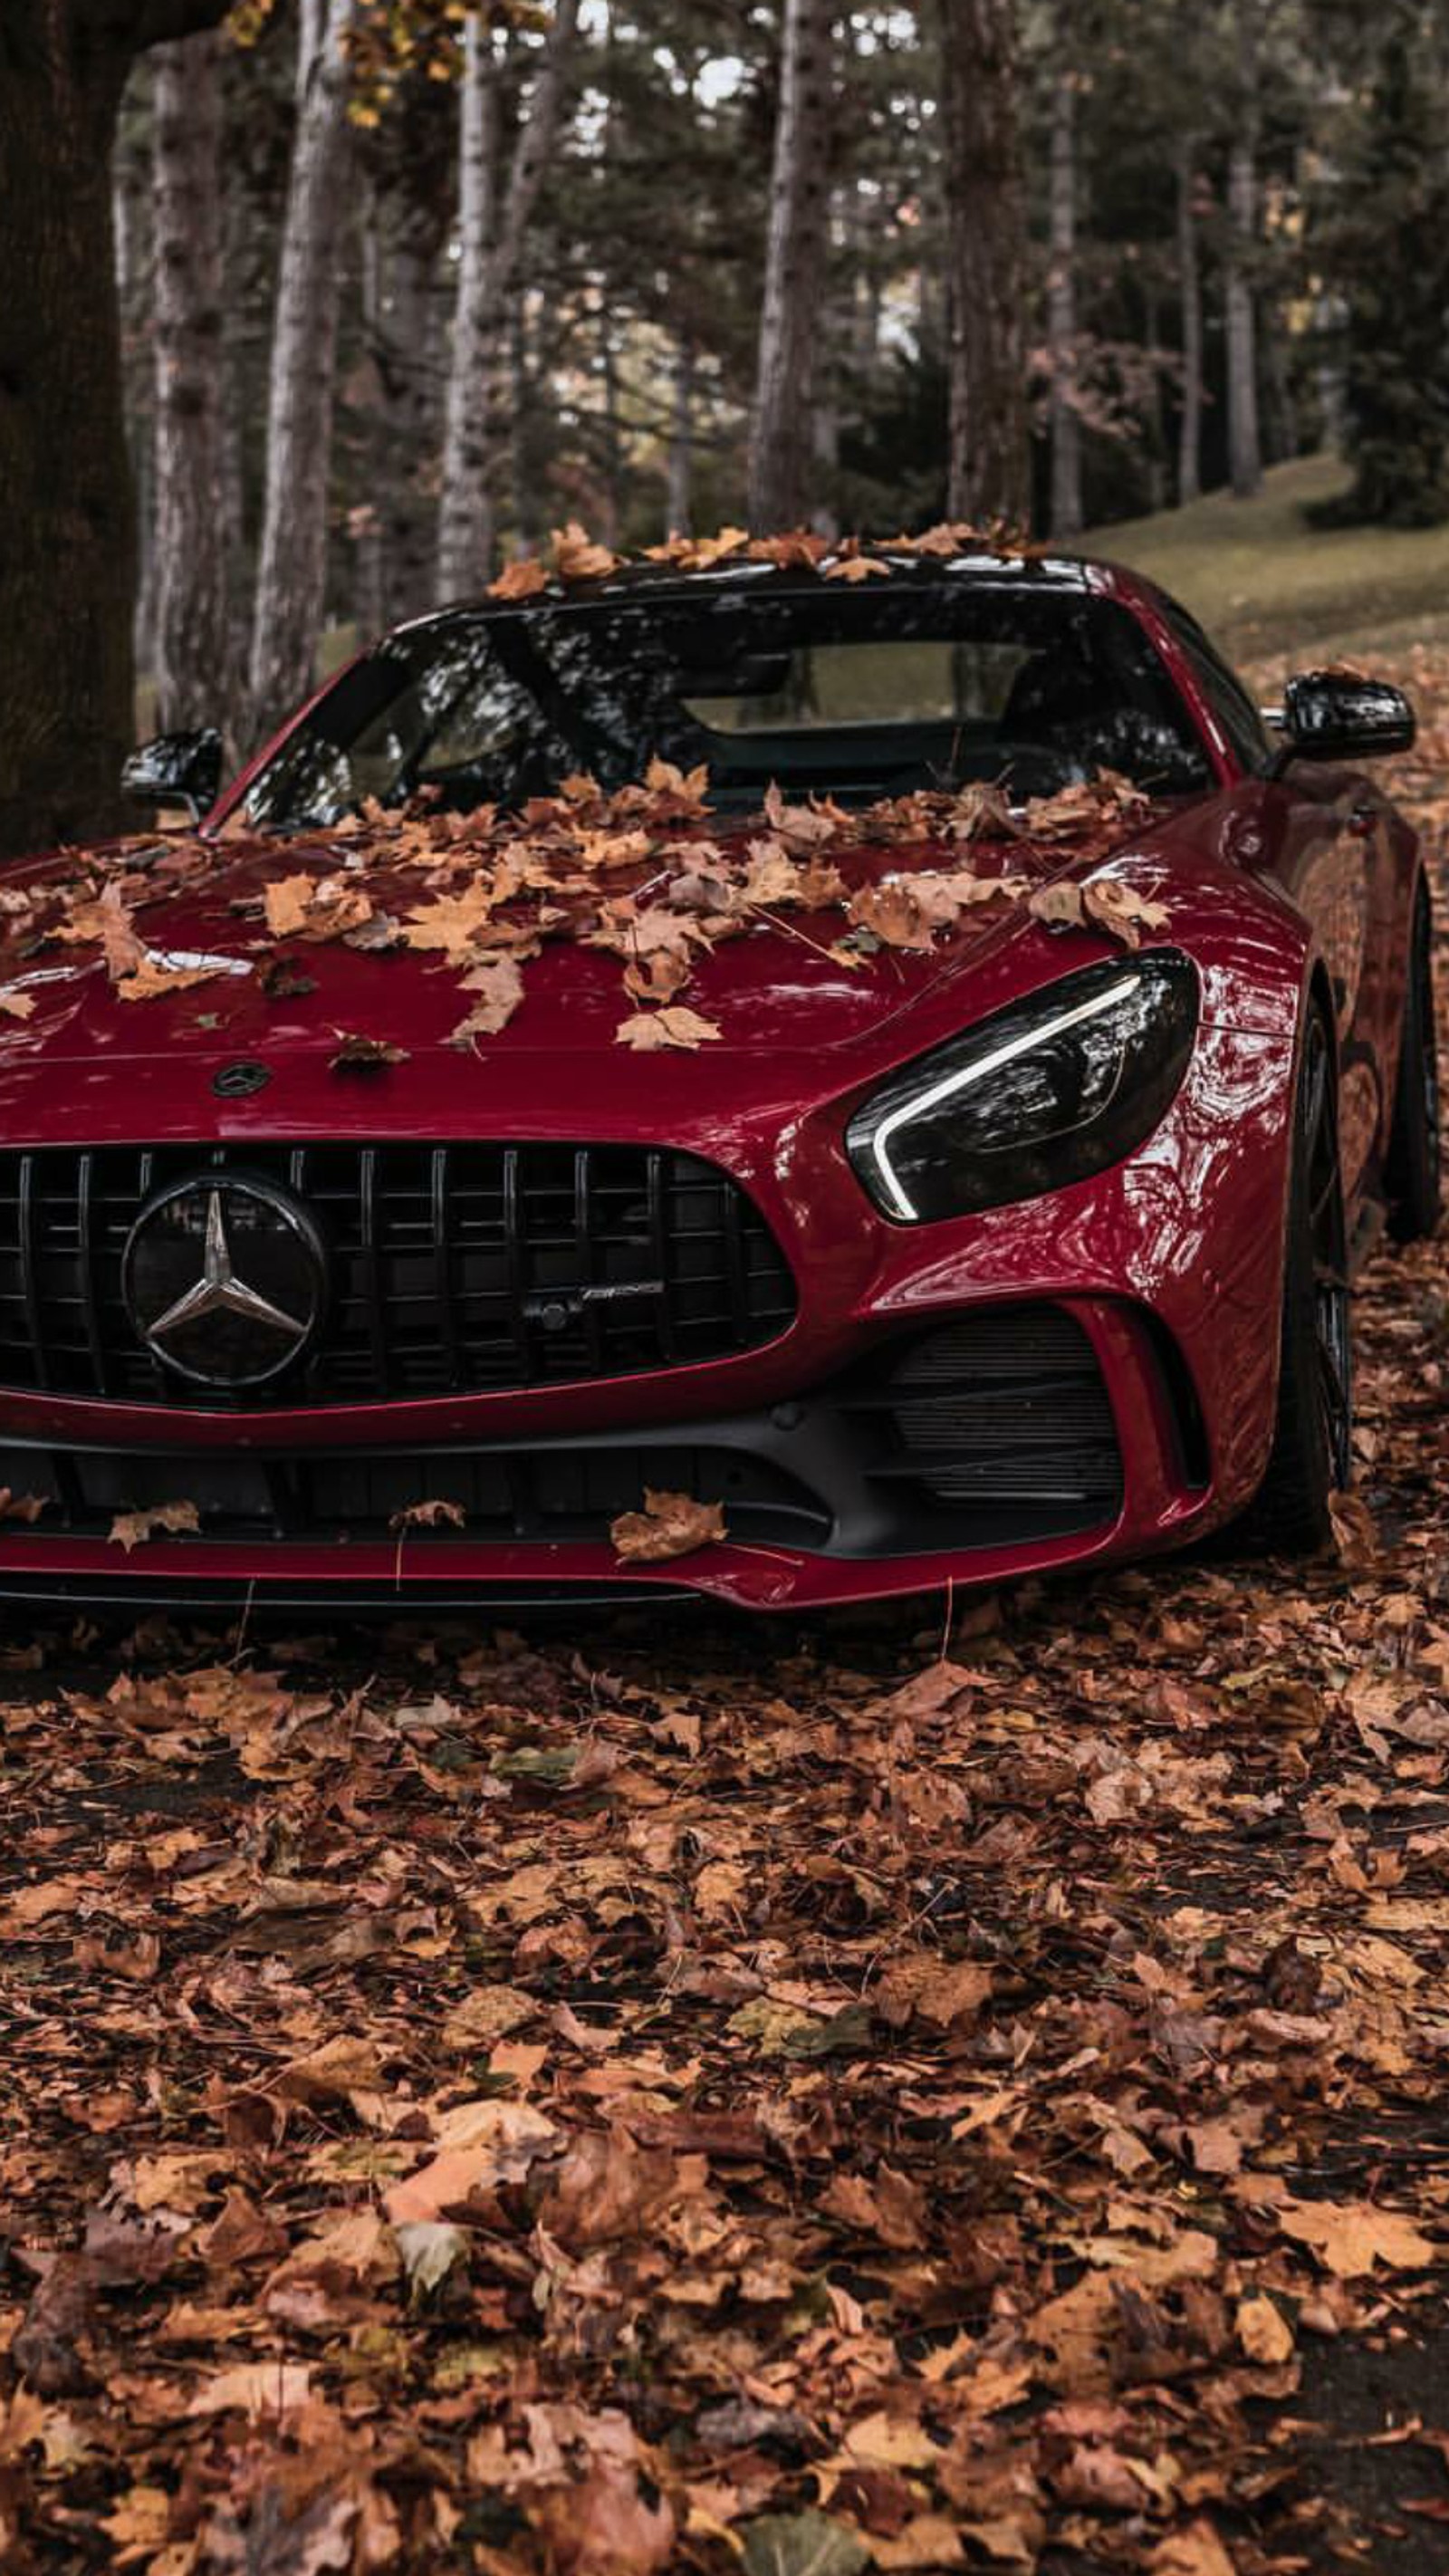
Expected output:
{"points": [[910, 1110]]}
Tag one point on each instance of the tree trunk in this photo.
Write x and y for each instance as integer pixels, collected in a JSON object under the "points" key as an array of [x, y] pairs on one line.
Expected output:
{"points": [[990, 466], [192, 630], [292, 560], [1189, 287], [679, 503], [782, 456], [490, 244], [1245, 462], [1066, 504], [369, 585], [67, 556]]}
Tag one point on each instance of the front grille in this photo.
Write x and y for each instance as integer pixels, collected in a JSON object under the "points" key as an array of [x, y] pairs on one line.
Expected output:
{"points": [[455, 1268]]}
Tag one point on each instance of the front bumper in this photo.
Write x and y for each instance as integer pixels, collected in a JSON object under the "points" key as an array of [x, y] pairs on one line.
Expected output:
{"points": [[1164, 1272]]}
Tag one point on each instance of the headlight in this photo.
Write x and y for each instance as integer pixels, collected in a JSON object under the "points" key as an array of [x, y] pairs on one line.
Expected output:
{"points": [[1048, 1091]]}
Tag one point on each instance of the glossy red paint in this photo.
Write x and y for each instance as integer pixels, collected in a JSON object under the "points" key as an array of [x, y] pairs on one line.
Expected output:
{"points": [[1271, 885]]}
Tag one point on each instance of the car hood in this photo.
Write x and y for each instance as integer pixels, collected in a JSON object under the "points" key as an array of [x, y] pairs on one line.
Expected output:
{"points": [[773, 988]]}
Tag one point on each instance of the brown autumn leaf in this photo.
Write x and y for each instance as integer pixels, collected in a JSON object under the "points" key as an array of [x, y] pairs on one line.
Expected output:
{"points": [[674, 1026], [523, 578], [1059, 906], [22, 1507], [577, 557], [856, 568], [157, 975], [131, 1529], [437, 1514], [669, 1525], [498, 989], [15, 1004], [356, 1054], [1121, 911], [1263, 2330], [1349, 2238], [255, 2388], [315, 908]]}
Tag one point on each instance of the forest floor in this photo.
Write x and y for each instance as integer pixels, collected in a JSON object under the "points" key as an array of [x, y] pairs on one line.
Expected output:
{"points": [[909, 2093]]}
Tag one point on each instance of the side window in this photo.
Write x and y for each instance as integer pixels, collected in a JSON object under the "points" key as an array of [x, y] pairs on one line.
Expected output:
{"points": [[1251, 742]]}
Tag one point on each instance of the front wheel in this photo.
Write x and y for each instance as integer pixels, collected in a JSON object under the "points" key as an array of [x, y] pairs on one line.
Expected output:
{"points": [[1313, 1434], [1412, 1169]]}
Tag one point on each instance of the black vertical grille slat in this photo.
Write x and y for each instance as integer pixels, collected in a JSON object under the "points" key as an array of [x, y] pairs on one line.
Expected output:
{"points": [[442, 1265], [29, 1278], [86, 1258], [454, 1267]]}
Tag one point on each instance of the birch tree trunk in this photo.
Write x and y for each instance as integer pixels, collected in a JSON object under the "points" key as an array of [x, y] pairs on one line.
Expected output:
{"points": [[782, 450], [679, 502], [1189, 287], [192, 645], [292, 559], [1066, 430], [990, 464], [491, 236], [1245, 462]]}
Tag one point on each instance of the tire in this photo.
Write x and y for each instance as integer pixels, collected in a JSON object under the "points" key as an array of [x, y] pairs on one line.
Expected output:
{"points": [[1311, 1455], [1411, 1169]]}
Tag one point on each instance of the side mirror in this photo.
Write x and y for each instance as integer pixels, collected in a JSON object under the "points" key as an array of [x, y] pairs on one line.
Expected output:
{"points": [[1337, 715], [176, 769]]}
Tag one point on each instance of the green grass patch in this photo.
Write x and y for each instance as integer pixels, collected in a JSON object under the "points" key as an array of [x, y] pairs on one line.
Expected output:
{"points": [[1265, 583]]}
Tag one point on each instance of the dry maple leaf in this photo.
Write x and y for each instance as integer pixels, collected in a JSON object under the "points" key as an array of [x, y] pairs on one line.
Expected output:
{"points": [[155, 976], [498, 985], [108, 921], [578, 558], [1060, 906], [848, 567], [255, 2388], [430, 1515], [1263, 2330], [669, 1525], [523, 578], [1121, 911], [22, 1507], [128, 1529], [452, 922], [315, 908], [1349, 2238], [364, 1055], [15, 1004], [674, 1026]]}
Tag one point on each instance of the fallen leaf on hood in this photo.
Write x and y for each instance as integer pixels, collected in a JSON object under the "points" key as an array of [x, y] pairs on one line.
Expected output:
{"points": [[155, 975], [1121, 911], [303, 907], [128, 1529], [364, 1055], [856, 568], [16, 1004], [22, 1507], [1059, 906], [498, 985], [438, 1514], [675, 1026], [669, 1525]]}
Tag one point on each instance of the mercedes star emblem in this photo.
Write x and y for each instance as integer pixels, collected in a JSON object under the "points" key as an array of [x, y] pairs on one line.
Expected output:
{"points": [[225, 1278]]}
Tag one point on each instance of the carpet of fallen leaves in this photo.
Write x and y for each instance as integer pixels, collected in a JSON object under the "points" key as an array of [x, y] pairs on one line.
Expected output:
{"points": [[946, 2090]]}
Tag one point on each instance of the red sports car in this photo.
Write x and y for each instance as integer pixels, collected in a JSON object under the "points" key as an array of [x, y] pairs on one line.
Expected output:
{"points": [[892, 1056]]}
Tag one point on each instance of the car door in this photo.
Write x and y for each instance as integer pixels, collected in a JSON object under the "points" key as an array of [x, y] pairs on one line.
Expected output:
{"points": [[1325, 833]]}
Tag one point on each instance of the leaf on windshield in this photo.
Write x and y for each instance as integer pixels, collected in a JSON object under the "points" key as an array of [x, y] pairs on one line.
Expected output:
{"points": [[675, 1026]]}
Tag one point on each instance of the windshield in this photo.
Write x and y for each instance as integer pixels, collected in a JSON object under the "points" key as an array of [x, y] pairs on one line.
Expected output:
{"points": [[855, 692]]}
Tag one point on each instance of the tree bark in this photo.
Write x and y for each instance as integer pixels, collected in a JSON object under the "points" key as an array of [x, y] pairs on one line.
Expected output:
{"points": [[1189, 287], [679, 502], [292, 561], [782, 457], [1245, 462], [989, 474], [192, 616], [490, 245], [1066, 428], [67, 559]]}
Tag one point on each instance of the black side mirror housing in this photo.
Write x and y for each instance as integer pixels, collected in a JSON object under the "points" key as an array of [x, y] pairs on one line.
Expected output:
{"points": [[1338, 715], [176, 769]]}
